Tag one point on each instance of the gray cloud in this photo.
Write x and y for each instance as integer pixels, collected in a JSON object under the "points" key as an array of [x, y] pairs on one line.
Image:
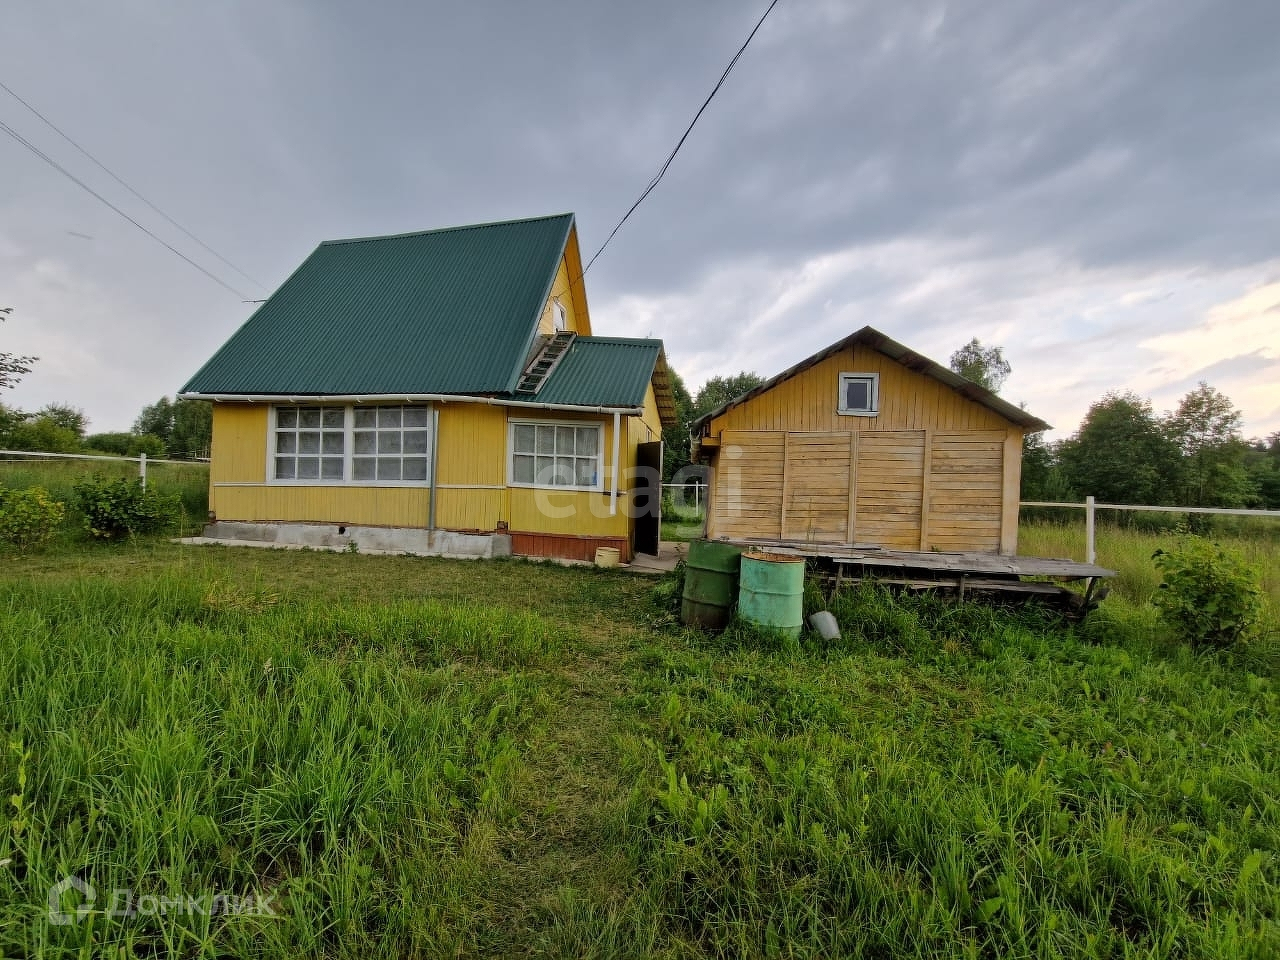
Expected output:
{"points": [[1066, 179]]}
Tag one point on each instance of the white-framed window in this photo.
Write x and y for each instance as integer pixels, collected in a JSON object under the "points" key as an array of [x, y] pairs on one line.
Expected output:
{"points": [[391, 443], [859, 394], [361, 445], [310, 443], [561, 317], [558, 454]]}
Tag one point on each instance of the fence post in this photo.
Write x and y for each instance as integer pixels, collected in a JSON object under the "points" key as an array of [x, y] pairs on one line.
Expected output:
{"points": [[1090, 555], [142, 470]]}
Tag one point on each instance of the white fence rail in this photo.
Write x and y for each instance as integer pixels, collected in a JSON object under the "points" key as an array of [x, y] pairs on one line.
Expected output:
{"points": [[1090, 507], [141, 459]]}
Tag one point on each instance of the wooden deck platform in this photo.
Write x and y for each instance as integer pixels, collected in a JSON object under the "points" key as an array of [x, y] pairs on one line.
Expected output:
{"points": [[969, 564], [953, 574]]}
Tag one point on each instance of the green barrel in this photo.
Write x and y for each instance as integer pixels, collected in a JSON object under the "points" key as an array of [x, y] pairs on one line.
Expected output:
{"points": [[710, 584], [772, 593]]}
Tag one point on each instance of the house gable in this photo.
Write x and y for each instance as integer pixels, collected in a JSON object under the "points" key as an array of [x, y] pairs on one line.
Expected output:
{"points": [[915, 393], [808, 400]]}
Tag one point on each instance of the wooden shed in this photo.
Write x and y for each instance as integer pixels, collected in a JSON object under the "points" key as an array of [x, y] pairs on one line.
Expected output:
{"points": [[868, 444]]}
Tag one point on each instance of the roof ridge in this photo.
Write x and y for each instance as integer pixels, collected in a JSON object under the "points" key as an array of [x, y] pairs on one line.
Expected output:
{"points": [[454, 229], [627, 340]]}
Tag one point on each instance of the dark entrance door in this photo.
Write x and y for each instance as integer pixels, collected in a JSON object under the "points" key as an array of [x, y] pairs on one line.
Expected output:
{"points": [[646, 498]]}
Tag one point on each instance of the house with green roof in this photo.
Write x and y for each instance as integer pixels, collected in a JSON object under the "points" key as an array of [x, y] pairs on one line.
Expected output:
{"points": [[439, 393]]}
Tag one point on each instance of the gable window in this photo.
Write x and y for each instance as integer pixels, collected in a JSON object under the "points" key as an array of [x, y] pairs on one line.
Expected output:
{"points": [[859, 394], [364, 445], [556, 454], [561, 317]]}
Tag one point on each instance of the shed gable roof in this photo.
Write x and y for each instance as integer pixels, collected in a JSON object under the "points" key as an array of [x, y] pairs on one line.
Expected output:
{"points": [[443, 311], [874, 339]]}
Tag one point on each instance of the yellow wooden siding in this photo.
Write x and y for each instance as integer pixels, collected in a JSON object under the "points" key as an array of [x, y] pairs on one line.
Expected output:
{"points": [[890, 488], [908, 401], [932, 470], [471, 447], [816, 487], [238, 450], [362, 506], [471, 473], [575, 513], [569, 294], [966, 490]]}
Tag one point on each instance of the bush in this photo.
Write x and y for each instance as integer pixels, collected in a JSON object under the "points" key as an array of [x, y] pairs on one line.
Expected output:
{"points": [[1210, 596], [28, 518], [122, 507]]}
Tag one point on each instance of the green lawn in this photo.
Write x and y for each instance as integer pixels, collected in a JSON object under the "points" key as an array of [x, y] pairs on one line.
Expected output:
{"points": [[416, 757]]}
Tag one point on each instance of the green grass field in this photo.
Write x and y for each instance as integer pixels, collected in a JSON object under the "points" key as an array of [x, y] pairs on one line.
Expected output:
{"points": [[418, 757]]}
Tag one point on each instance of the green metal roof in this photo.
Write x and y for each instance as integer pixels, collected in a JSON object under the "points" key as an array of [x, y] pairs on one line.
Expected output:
{"points": [[601, 372], [445, 311]]}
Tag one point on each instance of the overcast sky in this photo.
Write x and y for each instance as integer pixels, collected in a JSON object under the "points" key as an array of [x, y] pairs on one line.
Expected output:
{"points": [[1093, 186]]}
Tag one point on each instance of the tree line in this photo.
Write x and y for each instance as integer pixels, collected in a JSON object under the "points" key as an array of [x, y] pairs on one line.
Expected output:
{"points": [[1126, 452]]}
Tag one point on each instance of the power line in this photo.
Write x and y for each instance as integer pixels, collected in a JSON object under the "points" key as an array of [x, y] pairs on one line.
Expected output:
{"points": [[52, 126], [680, 143], [88, 189]]}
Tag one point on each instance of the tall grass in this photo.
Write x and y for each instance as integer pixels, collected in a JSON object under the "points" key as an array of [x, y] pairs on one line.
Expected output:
{"points": [[1128, 551], [414, 757], [176, 738], [189, 480], [953, 781]]}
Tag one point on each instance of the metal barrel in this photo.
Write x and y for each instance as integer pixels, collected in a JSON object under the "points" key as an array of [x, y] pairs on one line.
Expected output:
{"points": [[772, 592], [710, 584]]}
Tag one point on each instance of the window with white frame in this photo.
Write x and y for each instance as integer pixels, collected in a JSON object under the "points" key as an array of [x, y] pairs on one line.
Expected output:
{"points": [[561, 317], [310, 443], [561, 455], [390, 443], [859, 394], [344, 444]]}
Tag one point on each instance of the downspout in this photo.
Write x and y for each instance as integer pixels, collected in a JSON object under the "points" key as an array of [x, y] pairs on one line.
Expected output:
{"points": [[613, 491], [435, 446]]}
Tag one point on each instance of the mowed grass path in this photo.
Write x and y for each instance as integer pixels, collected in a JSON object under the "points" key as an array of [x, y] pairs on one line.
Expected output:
{"points": [[420, 757]]}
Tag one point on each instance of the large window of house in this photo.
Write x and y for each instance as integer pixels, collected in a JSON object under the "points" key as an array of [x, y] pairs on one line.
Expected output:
{"points": [[351, 444], [310, 443], [560, 455], [391, 443]]}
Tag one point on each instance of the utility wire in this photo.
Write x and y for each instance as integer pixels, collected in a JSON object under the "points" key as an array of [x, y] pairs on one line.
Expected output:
{"points": [[52, 126], [680, 143], [84, 186]]}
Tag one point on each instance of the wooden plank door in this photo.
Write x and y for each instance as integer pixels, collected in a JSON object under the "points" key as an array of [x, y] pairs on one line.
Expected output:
{"points": [[748, 485], [890, 488], [816, 487]]}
